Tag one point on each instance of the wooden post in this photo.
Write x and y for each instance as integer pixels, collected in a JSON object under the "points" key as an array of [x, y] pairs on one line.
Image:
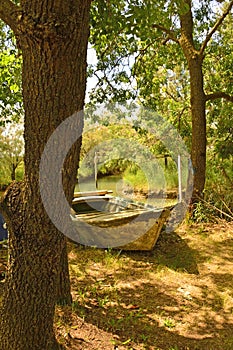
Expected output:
{"points": [[179, 178], [96, 169]]}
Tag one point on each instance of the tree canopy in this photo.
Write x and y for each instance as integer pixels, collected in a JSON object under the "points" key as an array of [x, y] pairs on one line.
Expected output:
{"points": [[163, 53]]}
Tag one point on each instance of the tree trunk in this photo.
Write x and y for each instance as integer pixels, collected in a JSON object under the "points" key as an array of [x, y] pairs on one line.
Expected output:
{"points": [[197, 99], [13, 169], [63, 286], [53, 38], [198, 153]]}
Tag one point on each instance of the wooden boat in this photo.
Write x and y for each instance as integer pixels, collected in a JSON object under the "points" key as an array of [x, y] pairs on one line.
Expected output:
{"points": [[105, 221]]}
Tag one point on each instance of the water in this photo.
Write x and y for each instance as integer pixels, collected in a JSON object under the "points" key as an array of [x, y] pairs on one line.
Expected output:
{"points": [[121, 188], [112, 183]]}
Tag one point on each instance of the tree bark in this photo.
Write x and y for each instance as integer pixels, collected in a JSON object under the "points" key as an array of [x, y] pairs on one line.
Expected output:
{"points": [[53, 38], [198, 97], [13, 169], [197, 101], [198, 109], [63, 286]]}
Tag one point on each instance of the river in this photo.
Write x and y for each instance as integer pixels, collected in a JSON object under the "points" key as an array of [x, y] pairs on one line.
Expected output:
{"points": [[112, 183], [121, 188]]}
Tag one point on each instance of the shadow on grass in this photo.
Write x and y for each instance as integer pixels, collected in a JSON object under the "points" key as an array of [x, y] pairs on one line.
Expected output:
{"points": [[139, 297], [171, 251], [146, 317]]}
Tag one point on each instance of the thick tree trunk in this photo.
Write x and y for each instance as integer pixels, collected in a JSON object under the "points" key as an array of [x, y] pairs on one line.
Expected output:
{"points": [[53, 37], [29, 298]]}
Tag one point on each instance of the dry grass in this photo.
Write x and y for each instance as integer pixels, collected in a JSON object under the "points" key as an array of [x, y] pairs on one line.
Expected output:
{"points": [[177, 297], [180, 296]]}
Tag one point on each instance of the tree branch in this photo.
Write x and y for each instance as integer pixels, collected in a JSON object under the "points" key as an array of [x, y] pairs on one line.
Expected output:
{"points": [[9, 13], [219, 94], [216, 26], [169, 32], [186, 23]]}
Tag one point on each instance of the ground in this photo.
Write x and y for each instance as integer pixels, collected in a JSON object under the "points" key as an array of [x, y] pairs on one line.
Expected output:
{"points": [[177, 297]]}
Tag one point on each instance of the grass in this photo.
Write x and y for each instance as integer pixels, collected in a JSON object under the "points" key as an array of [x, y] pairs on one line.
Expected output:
{"points": [[169, 323], [165, 299], [160, 177], [179, 296]]}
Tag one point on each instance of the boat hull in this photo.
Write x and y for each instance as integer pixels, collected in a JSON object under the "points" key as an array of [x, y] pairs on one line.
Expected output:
{"points": [[126, 226]]}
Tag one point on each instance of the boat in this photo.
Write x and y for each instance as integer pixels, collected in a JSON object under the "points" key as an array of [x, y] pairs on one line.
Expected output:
{"points": [[105, 221]]}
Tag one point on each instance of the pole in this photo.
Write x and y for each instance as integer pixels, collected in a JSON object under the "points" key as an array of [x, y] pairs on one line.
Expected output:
{"points": [[96, 170], [179, 178]]}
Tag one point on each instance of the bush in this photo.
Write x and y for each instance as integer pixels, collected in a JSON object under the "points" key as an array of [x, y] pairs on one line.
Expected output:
{"points": [[155, 176], [218, 202]]}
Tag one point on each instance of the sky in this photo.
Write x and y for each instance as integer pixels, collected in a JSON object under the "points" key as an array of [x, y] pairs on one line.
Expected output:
{"points": [[92, 81]]}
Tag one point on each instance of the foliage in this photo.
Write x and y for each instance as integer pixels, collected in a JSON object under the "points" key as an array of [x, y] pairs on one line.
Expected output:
{"points": [[218, 203], [154, 68], [131, 49], [154, 176], [11, 153], [218, 66], [118, 147], [219, 187], [97, 141], [10, 79], [11, 108], [139, 57]]}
